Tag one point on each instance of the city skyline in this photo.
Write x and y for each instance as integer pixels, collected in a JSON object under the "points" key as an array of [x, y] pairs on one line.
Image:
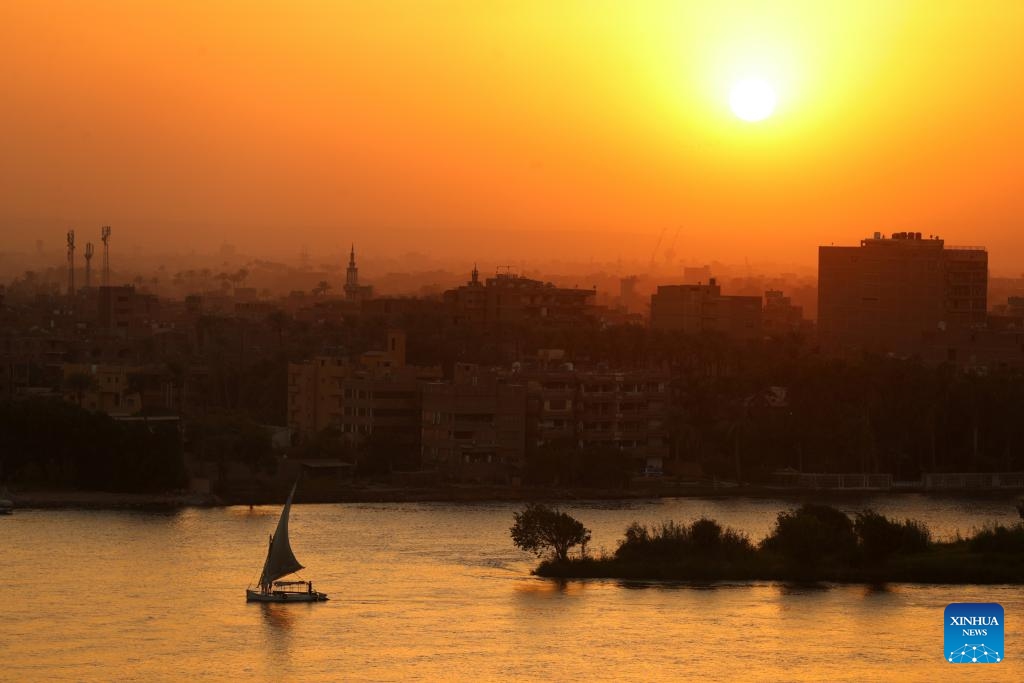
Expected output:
{"points": [[451, 340]]}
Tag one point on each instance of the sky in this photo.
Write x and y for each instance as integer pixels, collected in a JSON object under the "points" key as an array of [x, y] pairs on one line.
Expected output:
{"points": [[580, 128]]}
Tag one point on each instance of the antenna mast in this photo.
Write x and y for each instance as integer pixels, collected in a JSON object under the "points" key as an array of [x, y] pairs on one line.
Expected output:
{"points": [[88, 265], [105, 236]]}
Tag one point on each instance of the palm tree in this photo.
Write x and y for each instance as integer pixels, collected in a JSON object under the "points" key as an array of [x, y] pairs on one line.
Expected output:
{"points": [[321, 288], [278, 321]]}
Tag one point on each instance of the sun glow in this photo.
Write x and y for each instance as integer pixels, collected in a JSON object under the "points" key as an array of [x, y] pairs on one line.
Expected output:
{"points": [[752, 99]]}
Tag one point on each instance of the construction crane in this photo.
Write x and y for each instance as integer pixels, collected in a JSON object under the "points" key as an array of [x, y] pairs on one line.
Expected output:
{"points": [[670, 253], [656, 245]]}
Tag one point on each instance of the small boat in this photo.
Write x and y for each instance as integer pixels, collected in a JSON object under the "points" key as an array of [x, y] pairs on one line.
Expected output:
{"points": [[280, 563]]}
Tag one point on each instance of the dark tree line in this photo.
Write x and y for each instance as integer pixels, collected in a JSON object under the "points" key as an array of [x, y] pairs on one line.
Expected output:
{"points": [[872, 415], [48, 442]]}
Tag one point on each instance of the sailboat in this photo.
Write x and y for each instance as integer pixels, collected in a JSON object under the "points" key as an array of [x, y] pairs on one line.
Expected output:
{"points": [[280, 563]]}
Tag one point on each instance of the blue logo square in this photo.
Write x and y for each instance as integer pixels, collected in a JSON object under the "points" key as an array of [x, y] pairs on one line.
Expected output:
{"points": [[974, 633]]}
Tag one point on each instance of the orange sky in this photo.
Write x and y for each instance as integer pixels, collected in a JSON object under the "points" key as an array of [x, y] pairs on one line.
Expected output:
{"points": [[469, 126]]}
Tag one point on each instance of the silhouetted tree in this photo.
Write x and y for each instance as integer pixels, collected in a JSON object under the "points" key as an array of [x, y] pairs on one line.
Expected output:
{"points": [[540, 529], [78, 383], [811, 533], [881, 537]]}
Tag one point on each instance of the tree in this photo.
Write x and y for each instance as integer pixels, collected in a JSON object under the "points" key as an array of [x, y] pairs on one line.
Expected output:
{"points": [[79, 383], [881, 537], [321, 288], [812, 533], [278, 321], [541, 529]]}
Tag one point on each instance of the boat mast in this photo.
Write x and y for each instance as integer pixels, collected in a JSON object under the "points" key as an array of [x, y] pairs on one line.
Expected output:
{"points": [[270, 546], [280, 558]]}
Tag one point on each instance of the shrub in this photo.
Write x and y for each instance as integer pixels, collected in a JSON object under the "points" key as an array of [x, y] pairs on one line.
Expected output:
{"points": [[706, 534], [881, 537], [659, 543], [998, 539], [674, 542], [812, 533]]}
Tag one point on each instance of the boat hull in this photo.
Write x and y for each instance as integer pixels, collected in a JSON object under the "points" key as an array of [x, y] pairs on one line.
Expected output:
{"points": [[285, 596]]}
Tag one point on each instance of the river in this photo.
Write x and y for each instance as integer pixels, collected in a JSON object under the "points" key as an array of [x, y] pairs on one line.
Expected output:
{"points": [[437, 592]]}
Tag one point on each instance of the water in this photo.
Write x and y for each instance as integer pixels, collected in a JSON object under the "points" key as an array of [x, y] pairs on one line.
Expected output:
{"points": [[437, 592]]}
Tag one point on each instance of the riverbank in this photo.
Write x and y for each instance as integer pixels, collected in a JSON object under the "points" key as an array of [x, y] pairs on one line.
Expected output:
{"points": [[105, 500], [952, 563], [465, 493], [49, 499], [812, 543]]}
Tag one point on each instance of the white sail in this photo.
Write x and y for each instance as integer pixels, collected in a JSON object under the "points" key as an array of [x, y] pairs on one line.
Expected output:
{"points": [[280, 558]]}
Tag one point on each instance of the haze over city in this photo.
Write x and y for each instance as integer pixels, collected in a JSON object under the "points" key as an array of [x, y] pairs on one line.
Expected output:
{"points": [[460, 129], [452, 340]]}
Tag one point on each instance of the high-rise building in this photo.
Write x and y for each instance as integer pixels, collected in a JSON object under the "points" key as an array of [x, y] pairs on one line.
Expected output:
{"points": [[888, 293]]}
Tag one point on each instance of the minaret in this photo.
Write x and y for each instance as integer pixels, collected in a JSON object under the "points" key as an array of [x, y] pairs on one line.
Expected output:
{"points": [[475, 277], [71, 263], [105, 236], [352, 276]]}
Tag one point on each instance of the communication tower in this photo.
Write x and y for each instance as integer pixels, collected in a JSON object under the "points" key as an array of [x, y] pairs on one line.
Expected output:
{"points": [[88, 265]]}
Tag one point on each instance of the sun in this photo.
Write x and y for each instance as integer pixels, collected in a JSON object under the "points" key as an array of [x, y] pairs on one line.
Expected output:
{"points": [[752, 99]]}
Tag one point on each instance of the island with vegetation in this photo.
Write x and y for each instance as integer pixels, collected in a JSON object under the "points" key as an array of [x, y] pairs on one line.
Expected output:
{"points": [[811, 543]]}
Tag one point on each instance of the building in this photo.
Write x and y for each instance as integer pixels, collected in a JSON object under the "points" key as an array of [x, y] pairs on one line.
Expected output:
{"points": [[632, 301], [700, 308], [975, 350], [377, 393], [120, 390], [508, 298], [31, 364], [780, 315], [474, 427], [885, 294], [123, 309], [626, 410]]}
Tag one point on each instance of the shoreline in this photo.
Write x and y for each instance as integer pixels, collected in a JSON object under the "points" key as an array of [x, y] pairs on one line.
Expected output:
{"points": [[951, 562], [48, 499], [953, 576]]}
